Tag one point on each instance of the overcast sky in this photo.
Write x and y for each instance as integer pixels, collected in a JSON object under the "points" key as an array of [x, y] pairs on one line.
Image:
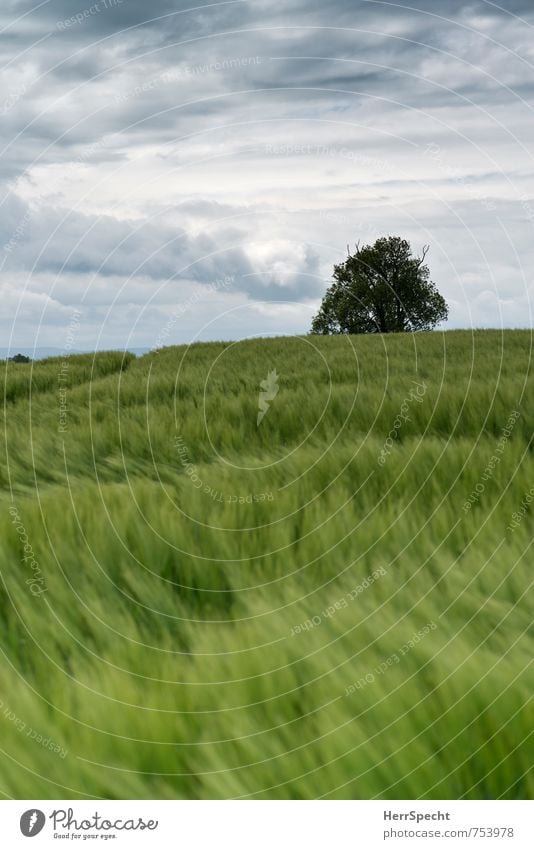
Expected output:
{"points": [[172, 171]]}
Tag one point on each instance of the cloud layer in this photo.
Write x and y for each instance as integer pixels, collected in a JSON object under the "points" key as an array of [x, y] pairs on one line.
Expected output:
{"points": [[148, 152]]}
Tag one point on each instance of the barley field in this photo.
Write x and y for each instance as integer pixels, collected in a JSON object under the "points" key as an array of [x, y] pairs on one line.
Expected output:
{"points": [[334, 602]]}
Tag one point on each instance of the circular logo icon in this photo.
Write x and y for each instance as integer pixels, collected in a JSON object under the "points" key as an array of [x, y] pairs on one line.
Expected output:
{"points": [[32, 822]]}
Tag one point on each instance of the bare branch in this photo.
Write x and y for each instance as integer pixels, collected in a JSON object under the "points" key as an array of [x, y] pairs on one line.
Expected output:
{"points": [[426, 249]]}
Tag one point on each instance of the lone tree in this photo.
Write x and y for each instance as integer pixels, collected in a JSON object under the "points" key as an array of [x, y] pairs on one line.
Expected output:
{"points": [[381, 288]]}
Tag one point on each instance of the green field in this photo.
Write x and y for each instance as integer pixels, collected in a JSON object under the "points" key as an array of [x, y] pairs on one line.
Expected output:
{"points": [[332, 604]]}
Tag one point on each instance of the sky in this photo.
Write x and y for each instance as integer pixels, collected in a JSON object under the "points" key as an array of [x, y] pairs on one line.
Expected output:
{"points": [[173, 172]]}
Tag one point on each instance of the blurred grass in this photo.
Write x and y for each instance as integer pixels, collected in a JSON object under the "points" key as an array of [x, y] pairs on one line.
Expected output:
{"points": [[162, 654]]}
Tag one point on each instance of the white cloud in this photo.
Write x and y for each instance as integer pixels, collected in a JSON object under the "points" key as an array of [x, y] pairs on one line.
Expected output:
{"points": [[145, 181]]}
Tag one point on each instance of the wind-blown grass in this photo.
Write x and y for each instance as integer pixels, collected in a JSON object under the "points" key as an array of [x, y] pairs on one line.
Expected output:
{"points": [[165, 647]]}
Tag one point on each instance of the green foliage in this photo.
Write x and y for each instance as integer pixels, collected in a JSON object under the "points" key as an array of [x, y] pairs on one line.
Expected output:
{"points": [[167, 656], [381, 288], [20, 358]]}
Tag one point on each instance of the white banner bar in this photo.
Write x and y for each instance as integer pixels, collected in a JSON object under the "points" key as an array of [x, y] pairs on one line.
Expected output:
{"points": [[264, 825]]}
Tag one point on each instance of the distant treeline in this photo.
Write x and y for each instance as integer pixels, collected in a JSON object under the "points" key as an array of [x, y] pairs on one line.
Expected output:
{"points": [[18, 358]]}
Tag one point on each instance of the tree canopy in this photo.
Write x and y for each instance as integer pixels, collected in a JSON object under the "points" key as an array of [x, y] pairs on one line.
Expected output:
{"points": [[381, 288]]}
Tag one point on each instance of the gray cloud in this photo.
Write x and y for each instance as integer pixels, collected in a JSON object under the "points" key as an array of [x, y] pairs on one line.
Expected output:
{"points": [[65, 242], [171, 146]]}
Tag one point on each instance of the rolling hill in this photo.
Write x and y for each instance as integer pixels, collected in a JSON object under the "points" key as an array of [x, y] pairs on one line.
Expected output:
{"points": [[332, 603]]}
